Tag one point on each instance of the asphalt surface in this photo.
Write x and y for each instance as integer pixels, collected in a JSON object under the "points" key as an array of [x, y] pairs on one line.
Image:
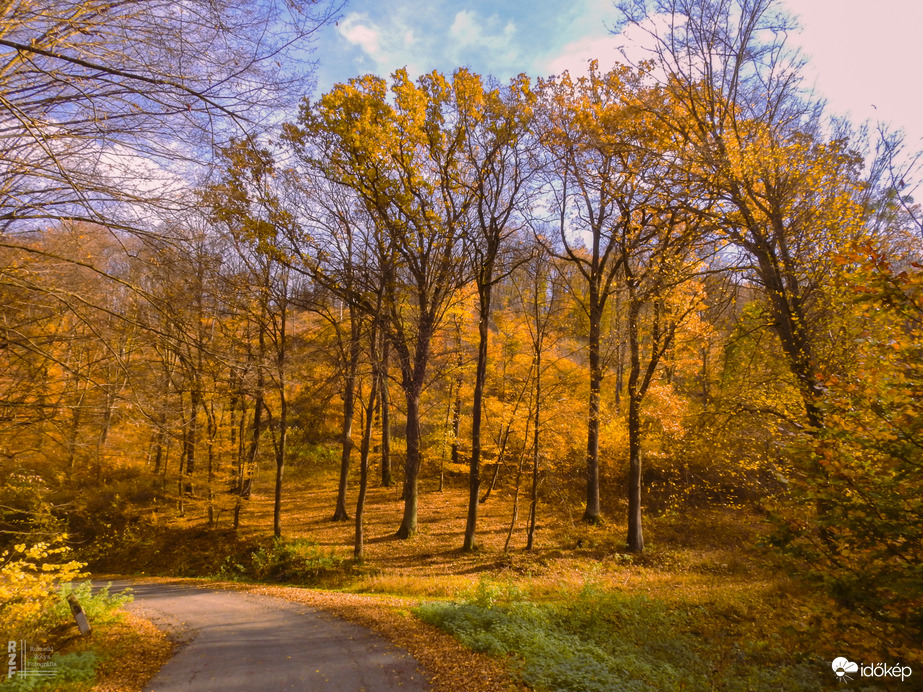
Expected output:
{"points": [[231, 641]]}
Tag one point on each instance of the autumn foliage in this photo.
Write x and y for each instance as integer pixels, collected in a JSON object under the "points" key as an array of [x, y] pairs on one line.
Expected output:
{"points": [[646, 290]]}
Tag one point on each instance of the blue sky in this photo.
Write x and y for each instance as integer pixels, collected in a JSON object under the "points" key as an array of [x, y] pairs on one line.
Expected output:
{"points": [[865, 58]]}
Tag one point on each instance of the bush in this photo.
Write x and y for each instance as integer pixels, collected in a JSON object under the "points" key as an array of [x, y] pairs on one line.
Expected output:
{"points": [[35, 611], [29, 579], [101, 608], [296, 561]]}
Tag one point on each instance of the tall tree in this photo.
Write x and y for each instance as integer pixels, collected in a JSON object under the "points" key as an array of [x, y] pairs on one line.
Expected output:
{"points": [[498, 167], [400, 159], [247, 202], [750, 135], [660, 263], [593, 130], [337, 246]]}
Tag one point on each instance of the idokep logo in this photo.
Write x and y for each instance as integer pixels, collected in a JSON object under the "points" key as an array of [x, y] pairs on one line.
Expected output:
{"points": [[843, 667]]}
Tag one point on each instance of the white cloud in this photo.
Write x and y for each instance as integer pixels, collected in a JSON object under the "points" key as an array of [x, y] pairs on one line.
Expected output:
{"points": [[464, 29], [575, 57], [388, 44], [490, 37], [358, 30]]}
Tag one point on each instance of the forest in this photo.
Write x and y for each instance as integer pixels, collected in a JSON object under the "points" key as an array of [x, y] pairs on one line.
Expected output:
{"points": [[657, 289]]}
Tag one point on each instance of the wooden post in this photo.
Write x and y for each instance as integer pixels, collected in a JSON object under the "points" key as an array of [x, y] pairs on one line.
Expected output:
{"points": [[82, 624]]}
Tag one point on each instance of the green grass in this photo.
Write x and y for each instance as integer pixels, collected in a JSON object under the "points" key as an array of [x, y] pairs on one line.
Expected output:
{"points": [[598, 640]]}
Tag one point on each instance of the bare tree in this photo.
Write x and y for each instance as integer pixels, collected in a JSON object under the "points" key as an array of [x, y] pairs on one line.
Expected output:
{"points": [[496, 153], [109, 107]]}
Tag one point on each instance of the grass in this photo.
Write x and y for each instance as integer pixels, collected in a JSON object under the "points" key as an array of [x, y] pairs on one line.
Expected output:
{"points": [[596, 639]]}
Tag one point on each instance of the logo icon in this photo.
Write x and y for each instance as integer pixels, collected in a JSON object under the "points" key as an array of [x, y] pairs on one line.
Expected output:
{"points": [[842, 666]]}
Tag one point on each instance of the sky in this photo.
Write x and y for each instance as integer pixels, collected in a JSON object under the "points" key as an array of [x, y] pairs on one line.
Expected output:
{"points": [[864, 58]]}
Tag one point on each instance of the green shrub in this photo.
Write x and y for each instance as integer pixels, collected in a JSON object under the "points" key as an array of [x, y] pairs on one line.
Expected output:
{"points": [[296, 561], [300, 561], [101, 608], [74, 670]]}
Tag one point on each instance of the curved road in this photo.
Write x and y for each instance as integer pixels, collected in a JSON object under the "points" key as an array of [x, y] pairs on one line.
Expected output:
{"points": [[239, 642]]}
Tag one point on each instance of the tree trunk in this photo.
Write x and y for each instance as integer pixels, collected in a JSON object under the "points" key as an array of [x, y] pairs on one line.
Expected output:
{"points": [[456, 414], [408, 525], [191, 439], [283, 425], [74, 433], [359, 548], [349, 412], [246, 480], [493, 481], [240, 438], [212, 430], [635, 535], [536, 435], [592, 513], [386, 476], [514, 517], [502, 443], [445, 436], [474, 465], [790, 325]]}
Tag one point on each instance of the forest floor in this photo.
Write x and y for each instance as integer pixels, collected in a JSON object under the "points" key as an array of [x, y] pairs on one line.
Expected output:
{"points": [[703, 579]]}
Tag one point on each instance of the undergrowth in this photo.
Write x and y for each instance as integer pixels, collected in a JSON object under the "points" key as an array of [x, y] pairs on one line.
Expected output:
{"points": [[52, 644], [597, 640], [296, 561]]}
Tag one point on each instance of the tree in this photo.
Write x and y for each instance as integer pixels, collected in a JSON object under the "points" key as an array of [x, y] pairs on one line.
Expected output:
{"points": [[595, 132], [660, 261], [498, 167], [401, 162], [65, 349], [540, 295], [866, 466], [375, 343], [247, 202], [785, 197], [337, 247], [106, 107]]}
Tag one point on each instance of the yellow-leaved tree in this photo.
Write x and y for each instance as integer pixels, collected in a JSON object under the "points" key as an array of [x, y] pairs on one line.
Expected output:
{"points": [[397, 155]]}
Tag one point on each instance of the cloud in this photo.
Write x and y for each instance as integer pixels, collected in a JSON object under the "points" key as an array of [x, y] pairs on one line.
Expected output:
{"points": [[426, 38], [632, 46], [387, 43], [464, 30], [357, 29], [489, 37], [575, 57]]}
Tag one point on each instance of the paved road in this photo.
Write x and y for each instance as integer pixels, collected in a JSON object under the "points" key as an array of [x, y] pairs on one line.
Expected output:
{"points": [[240, 642]]}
